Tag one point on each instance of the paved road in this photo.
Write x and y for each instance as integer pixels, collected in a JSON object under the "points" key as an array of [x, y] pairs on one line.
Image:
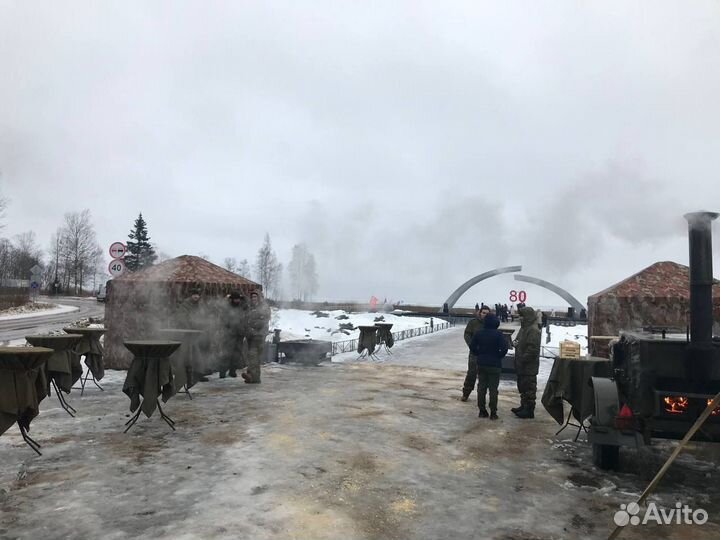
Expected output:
{"points": [[358, 451], [19, 328]]}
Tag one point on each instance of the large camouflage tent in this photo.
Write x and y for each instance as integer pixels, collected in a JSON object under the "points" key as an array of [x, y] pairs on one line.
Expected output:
{"points": [[658, 296], [142, 302]]}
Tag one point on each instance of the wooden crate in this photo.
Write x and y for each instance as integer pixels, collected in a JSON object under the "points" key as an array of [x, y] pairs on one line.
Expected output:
{"points": [[569, 349]]}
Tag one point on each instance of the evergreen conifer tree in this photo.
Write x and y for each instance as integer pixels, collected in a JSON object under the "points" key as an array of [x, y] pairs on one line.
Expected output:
{"points": [[140, 253]]}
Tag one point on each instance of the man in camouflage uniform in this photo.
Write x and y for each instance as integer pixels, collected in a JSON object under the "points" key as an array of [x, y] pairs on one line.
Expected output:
{"points": [[472, 327], [527, 362], [234, 320], [258, 320], [192, 314]]}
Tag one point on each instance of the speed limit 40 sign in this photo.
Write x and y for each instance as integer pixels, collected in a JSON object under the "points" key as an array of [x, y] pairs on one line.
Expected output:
{"points": [[117, 267]]}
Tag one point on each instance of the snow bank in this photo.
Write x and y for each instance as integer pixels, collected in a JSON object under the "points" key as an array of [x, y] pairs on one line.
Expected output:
{"points": [[56, 309], [13, 343], [301, 324]]}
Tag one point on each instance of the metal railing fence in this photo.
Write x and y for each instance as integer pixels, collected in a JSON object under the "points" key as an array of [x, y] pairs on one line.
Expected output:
{"points": [[349, 345]]}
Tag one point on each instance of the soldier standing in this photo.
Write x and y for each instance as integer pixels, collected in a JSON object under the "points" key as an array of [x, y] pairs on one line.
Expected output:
{"points": [[192, 315], [234, 324], [489, 347], [188, 310], [472, 327], [527, 362], [258, 320]]}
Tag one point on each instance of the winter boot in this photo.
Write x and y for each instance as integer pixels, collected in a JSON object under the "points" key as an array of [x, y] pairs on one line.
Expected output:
{"points": [[493, 415], [233, 373], [246, 377], [527, 412], [483, 413], [464, 397], [222, 374], [516, 410]]}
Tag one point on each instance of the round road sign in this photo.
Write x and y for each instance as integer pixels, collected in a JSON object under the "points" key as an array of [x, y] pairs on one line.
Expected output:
{"points": [[116, 267], [118, 250], [34, 285]]}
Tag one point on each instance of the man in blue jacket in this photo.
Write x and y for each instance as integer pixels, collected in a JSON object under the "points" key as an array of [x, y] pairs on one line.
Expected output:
{"points": [[473, 326], [489, 347]]}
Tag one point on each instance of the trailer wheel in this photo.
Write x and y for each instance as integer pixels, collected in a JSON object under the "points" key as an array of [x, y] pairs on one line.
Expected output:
{"points": [[606, 456]]}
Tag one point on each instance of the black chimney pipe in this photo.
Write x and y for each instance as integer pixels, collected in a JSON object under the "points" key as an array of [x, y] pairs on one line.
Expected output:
{"points": [[701, 276], [701, 355]]}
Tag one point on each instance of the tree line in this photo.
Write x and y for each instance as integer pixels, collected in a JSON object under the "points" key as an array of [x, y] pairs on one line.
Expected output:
{"points": [[74, 255], [75, 259], [268, 271]]}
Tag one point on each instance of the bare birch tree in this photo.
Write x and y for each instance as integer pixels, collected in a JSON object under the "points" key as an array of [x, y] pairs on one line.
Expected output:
{"points": [[81, 250], [267, 268], [302, 273], [243, 269], [230, 264]]}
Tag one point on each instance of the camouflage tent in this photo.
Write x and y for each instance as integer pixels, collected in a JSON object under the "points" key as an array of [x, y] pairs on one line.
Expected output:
{"points": [[140, 303], [658, 296]]}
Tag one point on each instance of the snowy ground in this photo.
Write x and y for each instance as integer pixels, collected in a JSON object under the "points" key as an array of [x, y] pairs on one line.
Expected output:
{"points": [[576, 333], [354, 451], [14, 343], [447, 352], [25, 312], [300, 324]]}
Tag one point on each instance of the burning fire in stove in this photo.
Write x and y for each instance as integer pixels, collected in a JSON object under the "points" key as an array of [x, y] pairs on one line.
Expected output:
{"points": [[716, 410], [681, 404], [676, 404]]}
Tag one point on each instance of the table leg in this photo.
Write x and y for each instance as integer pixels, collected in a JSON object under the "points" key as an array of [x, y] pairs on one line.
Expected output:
{"points": [[569, 423], [83, 381], [165, 417], [578, 431], [97, 384], [32, 443], [91, 375], [64, 404], [130, 423], [185, 390]]}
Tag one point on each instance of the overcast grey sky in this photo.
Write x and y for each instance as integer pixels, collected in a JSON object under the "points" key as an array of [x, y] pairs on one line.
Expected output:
{"points": [[411, 145]]}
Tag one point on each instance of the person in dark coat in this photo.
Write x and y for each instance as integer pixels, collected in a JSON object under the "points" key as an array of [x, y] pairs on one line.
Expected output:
{"points": [[489, 347], [233, 334], [192, 314], [257, 319], [472, 327]]}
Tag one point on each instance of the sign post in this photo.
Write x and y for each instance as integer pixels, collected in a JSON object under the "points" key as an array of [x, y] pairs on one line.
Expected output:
{"points": [[118, 250], [117, 266], [35, 280]]}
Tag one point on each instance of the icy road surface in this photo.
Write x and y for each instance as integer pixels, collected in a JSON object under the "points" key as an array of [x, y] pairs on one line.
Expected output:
{"points": [[342, 451]]}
